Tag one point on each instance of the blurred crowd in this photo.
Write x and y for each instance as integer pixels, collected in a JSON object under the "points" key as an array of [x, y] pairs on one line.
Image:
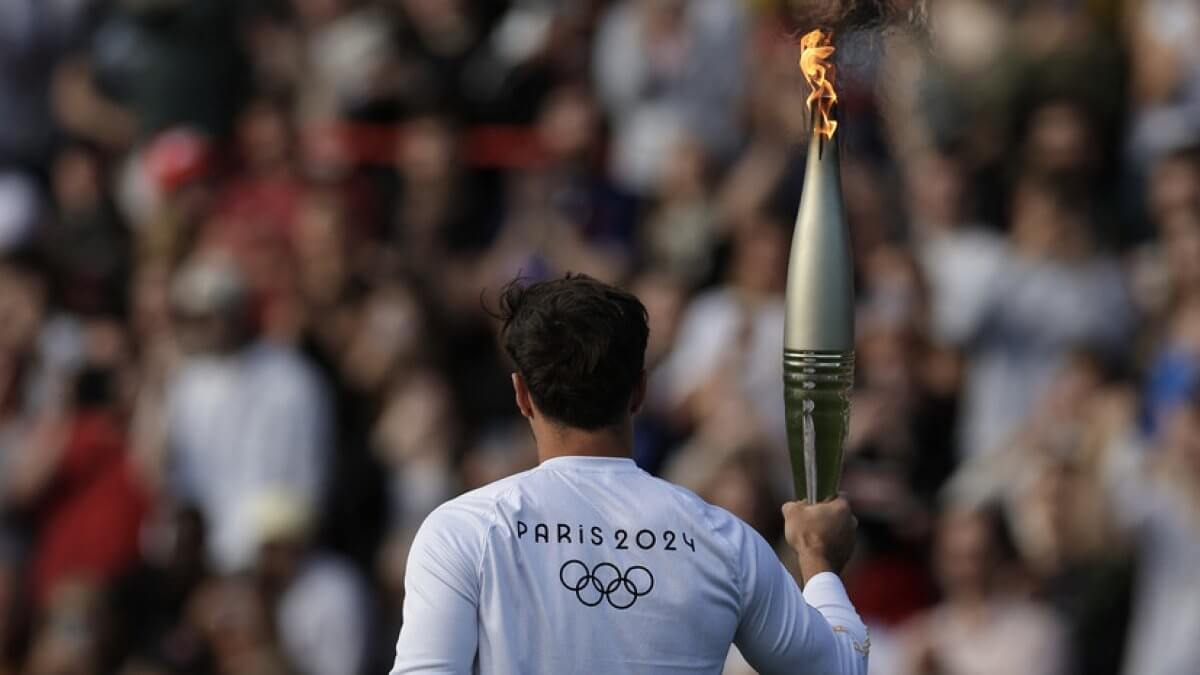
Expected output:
{"points": [[247, 249]]}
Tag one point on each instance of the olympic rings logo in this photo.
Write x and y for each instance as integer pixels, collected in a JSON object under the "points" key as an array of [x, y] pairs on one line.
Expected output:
{"points": [[606, 581]]}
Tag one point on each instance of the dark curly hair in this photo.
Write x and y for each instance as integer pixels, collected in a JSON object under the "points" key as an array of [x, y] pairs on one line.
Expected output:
{"points": [[579, 344]]}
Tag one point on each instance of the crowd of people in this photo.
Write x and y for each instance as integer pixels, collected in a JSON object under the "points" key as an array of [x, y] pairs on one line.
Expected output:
{"points": [[248, 251]]}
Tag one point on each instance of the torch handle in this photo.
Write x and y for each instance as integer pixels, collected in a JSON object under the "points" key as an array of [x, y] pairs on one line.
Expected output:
{"points": [[816, 388]]}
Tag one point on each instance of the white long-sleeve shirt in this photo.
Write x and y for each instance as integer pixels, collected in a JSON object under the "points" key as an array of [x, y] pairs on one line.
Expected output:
{"points": [[590, 565]]}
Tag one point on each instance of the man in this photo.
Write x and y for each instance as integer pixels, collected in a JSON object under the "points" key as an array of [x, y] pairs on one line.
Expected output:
{"points": [[586, 564]]}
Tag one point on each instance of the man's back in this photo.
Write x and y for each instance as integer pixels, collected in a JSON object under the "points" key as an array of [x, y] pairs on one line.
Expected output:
{"points": [[589, 565]]}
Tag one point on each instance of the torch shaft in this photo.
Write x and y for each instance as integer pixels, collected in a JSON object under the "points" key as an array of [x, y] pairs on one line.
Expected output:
{"points": [[818, 358], [816, 388]]}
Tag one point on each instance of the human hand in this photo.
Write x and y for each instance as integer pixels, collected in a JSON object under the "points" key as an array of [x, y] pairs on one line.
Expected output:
{"points": [[821, 534]]}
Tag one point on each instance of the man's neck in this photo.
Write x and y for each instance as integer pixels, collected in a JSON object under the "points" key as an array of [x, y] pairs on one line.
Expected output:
{"points": [[556, 441]]}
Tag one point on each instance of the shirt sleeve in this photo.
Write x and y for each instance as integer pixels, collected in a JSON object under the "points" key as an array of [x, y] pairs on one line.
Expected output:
{"points": [[786, 632], [441, 596]]}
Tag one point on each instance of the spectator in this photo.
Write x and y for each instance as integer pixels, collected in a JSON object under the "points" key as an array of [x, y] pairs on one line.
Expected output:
{"points": [[1154, 496], [415, 438], [90, 248], [726, 363], [33, 35], [681, 234], [262, 202], [86, 497], [1050, 289], [1166, 76], [236, 626], [983, 626], [1048, 479], [316, 600], [69, 636], [151, 602], [153, 66], [666, 69], [243, 415], [368, 167], [22, 310]]}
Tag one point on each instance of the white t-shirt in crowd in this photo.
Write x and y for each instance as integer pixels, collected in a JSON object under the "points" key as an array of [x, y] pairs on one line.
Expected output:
{"points": [[590, 565]]}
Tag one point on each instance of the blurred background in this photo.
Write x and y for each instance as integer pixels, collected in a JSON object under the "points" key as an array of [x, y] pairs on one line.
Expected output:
{"points": [[247, 246]]}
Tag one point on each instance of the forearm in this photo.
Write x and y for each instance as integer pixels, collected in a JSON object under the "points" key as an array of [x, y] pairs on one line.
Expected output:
{"points": [[784, 630], [822, 535], [851, 640]]}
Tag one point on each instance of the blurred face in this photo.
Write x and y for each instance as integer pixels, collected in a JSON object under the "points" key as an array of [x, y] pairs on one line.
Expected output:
{"points": [[263, 134], [319, 254], [1182, 438], [427, 152], [662, 16], [278, 562], [325, 155], [1185, 328], [1174, 185], [175, 541], [417, 420], [76, 180], [232, 616], [316, 12], [685, 170], [1074, 386], [936, 187], [390, 332], [1051, 497], [21, 308], [204, 333], [1040, 226], [1181, 234], [1060, 138], [760, 263], [964, 553], [568, 125], [433, 15], [151, 300], [664, 301]]}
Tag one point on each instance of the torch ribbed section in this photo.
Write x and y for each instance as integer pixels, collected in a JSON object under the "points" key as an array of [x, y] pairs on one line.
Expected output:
{"points": [[816, 395]]}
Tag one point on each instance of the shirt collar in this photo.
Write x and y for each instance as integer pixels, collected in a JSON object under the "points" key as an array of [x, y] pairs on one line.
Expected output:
{"points": [[589, 463]]}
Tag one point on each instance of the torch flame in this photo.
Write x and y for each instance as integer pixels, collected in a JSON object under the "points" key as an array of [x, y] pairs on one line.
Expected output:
{"points": [[815, 50]]}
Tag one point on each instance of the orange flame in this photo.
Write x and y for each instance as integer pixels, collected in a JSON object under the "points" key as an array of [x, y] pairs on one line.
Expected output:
{"points": [[815, 50]]}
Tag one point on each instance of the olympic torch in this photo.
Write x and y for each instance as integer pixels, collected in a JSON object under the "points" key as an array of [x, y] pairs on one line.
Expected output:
{"points": [[818, 342]]}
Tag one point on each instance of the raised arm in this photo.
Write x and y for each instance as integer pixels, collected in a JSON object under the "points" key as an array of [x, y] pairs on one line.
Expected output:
{"points": [[818, 632]]}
